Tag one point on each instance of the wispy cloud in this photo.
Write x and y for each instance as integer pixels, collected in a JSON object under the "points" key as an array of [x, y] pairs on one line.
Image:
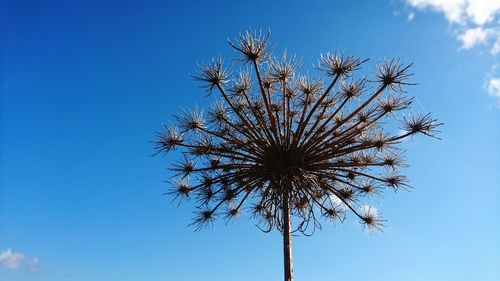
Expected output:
{"points": [[410, 16], [493, 87], [475, 36], [13, 260], [464, 12], [477, 23]]}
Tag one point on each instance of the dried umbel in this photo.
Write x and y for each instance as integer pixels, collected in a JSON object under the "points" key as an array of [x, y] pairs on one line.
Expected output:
{"points": [[287, 147]]}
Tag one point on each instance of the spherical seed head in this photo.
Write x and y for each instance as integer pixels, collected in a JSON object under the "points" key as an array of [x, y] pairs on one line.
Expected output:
{"points": [[275, 139]]}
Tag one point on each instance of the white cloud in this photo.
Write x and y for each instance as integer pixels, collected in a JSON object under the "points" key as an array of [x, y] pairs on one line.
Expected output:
{"points": [[492, 83], [410, 16], [10, 259], [478, 12], [474, 36], [475, 20], [493, 87], [482, 11], [13, 260], [453, 9], [495, 50]]}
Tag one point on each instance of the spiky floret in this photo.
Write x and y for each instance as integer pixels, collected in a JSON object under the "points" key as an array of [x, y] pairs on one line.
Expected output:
{"points": [[423, 124], [168, 139], [309, 86], [213, 74], [371, 218], [337, 64], [393, 74], [253, 46], [276, 139]]}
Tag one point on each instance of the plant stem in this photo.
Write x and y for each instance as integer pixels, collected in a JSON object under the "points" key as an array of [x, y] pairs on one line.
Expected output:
{"points": [[287, 238]]}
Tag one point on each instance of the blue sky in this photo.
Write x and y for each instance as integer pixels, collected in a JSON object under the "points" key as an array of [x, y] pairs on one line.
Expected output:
{"points": [[85, 85]]}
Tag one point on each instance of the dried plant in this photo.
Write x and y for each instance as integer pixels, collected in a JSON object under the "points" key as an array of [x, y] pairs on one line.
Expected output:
{"points": [[285, 147]]}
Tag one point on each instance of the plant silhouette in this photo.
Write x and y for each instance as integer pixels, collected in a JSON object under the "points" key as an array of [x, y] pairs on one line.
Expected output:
{"points": [[292, 150]]}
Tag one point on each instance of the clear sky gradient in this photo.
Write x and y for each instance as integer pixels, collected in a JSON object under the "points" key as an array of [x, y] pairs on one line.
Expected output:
{"points": [[85, 85]]}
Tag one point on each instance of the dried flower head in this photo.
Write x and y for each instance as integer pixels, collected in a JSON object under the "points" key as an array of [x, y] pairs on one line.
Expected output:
{"points": [[288, 147], [253, 46], [339, 65], [371, 218], [213, 74]]}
